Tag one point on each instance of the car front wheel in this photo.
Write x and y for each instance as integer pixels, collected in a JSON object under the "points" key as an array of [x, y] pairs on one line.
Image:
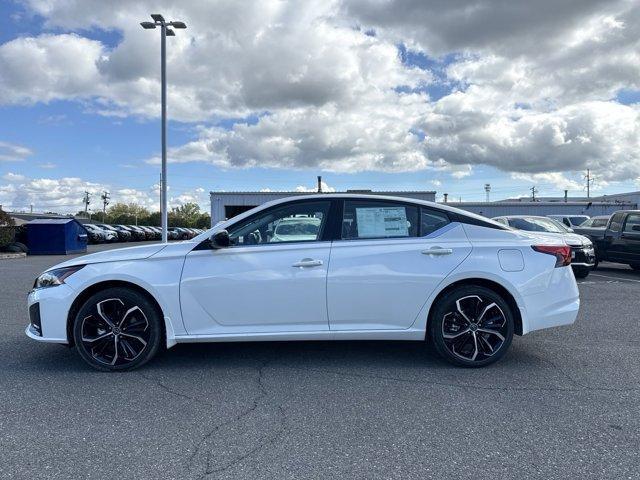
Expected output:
{"points": [[471, 326], [117, 329], [581, 272]]}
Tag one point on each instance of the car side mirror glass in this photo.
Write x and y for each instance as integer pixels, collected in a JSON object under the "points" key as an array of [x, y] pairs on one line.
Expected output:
{"points": [[220, 240]]}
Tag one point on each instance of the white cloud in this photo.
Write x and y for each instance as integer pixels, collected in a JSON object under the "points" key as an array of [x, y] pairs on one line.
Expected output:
{"points": [[18, 192], [10, 152], [535, 82]]}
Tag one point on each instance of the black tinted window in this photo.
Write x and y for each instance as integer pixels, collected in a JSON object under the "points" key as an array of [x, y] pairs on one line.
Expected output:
{"points": [[432, 220], [616, 222], [632, 221], [378, 219]]}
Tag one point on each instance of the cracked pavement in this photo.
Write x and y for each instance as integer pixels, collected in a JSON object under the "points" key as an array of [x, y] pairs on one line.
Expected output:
{"points": [[562, 403]]}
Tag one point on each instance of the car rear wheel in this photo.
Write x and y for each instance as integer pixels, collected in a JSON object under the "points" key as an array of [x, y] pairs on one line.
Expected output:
{"points": [[471, 326], [117, 329]]}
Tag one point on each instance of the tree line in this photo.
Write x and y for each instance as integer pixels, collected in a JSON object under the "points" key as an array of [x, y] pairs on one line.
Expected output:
{"points": [[187, 215]]}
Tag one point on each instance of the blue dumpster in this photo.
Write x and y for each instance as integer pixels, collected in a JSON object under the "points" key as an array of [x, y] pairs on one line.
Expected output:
{"points": [[56, 236]]}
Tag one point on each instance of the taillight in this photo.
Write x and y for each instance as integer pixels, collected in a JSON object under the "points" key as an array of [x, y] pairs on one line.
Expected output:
{"points": [[562, 253]]}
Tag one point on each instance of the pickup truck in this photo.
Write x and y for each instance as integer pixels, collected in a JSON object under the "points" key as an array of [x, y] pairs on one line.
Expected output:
{"points": [[619, 241]]}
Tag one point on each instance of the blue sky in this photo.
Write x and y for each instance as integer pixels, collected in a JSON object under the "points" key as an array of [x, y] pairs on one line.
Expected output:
{"points": [[71, 136]]}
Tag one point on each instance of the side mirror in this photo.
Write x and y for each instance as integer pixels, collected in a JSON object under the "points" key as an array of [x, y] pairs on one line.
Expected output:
{"points": [[220, 240]]}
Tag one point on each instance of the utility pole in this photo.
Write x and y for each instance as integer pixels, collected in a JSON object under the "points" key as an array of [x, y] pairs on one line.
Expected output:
{"points": [[487, 189], [589, 180], [319, 184], [105, 202], [566, 194], [165, 31], [86, 200], [534, 190]]}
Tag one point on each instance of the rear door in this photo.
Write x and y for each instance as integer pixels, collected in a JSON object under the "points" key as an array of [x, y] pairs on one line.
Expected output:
{"points": [[389, 258]]}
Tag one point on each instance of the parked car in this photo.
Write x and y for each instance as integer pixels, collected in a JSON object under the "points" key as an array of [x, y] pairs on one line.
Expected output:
{"points": [[136, 234], [619, 241], [593, 226], [122, 235], [96, 235], [142, 234], [181, 233], [385, 268], [570, 221], [582, 250], [151, 233]]}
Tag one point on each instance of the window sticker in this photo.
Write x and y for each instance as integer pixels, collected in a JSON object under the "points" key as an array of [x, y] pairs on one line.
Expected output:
{"points": [[382, 222]]}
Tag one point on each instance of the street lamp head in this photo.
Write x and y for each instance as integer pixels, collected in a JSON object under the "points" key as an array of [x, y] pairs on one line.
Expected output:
{"points": [[148, 25], [178, 25], [157, 17], [170, 33]]}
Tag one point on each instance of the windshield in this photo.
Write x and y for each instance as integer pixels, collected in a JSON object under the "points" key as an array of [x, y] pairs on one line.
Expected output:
{"points": [[536, 224], [579, 220]]}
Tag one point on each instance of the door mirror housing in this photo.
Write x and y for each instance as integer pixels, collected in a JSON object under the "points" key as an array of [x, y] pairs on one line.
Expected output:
{"points": [[220, 240]]}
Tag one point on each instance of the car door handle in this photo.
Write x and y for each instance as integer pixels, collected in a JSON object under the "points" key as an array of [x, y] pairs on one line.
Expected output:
{"points": [[437, 251], [307, 262]]}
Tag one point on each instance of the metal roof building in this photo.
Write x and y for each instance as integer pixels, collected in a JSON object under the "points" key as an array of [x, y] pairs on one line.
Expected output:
{"points": [[229, 204]]}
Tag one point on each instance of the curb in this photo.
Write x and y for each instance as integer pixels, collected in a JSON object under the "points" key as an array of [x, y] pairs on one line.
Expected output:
{"points": [[12, 255]]}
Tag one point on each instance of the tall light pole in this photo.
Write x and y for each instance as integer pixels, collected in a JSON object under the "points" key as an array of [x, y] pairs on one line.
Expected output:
{"points": [[165, 31]]}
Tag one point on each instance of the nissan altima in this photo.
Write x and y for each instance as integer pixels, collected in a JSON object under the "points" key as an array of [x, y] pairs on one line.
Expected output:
{"points": [[317, 267]]}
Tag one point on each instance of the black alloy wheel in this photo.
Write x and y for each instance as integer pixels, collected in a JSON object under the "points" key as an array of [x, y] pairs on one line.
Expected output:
{"points": [[471, 326], [117, 329]]}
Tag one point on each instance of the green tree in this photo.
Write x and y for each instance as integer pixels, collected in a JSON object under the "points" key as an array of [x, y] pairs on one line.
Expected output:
{"points": [[127, 214], [186, 215]]}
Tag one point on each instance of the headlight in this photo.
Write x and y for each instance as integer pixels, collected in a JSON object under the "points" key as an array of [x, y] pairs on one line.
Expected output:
{"points": [[55, 277]]}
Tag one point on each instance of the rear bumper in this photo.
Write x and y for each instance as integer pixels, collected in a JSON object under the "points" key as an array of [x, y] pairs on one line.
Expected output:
{"points": [[557, 306]]}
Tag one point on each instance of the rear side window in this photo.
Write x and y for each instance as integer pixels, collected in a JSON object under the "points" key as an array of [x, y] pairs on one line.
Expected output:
{"points": [[378, 219], [431, 220], [616, 222], [632, 221]]}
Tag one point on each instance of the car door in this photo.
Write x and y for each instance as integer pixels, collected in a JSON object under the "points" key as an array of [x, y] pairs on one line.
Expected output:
{"points": [[261, 283], [613, 241], [389, 258], [631, 238]]}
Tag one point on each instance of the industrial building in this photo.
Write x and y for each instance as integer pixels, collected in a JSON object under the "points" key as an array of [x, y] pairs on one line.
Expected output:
{"points": [[229, 204]]}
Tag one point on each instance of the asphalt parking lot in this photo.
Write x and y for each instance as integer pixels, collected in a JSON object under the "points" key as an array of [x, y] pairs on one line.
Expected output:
{"points": [[563, 403]]}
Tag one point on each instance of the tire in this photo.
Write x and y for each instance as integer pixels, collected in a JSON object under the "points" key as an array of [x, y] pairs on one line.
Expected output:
{"points": [[635, 266], [476, 343], [581, 272], [135, 334], [21, 246]]}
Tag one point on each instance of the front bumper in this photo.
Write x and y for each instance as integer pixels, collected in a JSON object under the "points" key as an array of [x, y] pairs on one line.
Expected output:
{"points": [[52, 305], [583, 257]]}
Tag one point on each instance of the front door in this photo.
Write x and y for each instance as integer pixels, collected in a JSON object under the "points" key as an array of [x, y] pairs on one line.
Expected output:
{"points": [[271, 279], [391, 257]]}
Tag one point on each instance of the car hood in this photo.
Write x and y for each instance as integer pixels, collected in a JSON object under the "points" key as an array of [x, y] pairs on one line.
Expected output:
{"points": [[129, 253]]}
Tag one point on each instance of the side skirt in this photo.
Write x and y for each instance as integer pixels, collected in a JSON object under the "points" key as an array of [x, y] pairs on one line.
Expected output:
{"points": [[407, 335]]}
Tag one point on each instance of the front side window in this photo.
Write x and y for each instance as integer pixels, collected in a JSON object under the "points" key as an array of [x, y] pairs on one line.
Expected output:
{"points": [[632, 221], [378, 219], [297, 222], [616, 222]]}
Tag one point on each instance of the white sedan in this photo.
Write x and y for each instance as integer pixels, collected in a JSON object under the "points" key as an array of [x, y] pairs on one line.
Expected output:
{"points": [[377, 268]]}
